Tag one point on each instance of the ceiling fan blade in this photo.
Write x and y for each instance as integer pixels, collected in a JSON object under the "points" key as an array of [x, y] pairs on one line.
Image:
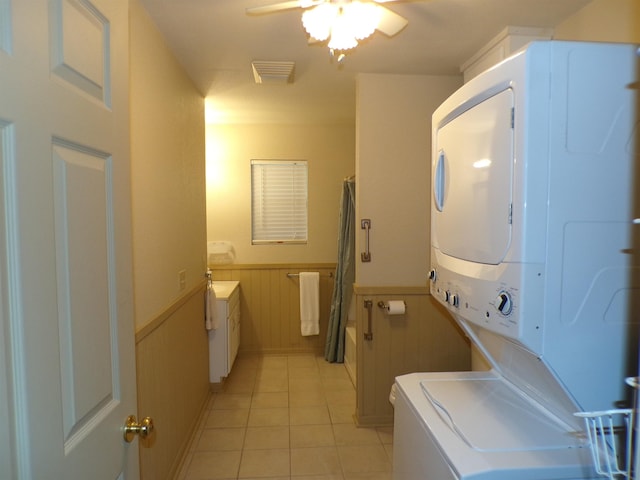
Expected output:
{"points": [[390, 22], [278, 7]]}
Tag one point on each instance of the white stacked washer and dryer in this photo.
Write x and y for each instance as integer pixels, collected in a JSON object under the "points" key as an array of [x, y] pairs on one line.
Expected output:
{"points": [[535, 253]]}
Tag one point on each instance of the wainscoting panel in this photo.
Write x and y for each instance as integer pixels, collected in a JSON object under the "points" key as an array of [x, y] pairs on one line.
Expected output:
{"points": [[173, 382], [270, 306], [424, 339]]}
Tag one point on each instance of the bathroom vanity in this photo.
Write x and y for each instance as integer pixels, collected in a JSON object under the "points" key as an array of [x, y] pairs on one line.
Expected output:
{"points": [[225, 340]]}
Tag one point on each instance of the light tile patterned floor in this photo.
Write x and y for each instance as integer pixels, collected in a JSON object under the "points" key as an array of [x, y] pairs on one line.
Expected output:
{"points": [[286, 417]]}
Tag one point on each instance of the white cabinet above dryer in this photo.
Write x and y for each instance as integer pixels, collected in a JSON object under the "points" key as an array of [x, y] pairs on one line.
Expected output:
{"points": [[503, 45], [225, 340]]}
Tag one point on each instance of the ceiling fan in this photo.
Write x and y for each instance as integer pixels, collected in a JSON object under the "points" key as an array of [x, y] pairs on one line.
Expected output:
{"points": [[341, 22]]}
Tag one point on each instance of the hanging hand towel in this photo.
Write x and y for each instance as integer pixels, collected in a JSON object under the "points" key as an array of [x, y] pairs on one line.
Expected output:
{"points": [[309, 303], [210, 316]]}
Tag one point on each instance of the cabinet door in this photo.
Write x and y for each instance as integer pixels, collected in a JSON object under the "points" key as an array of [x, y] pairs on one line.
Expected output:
{"points": [[219, 344], [234, 328], [234, 336]]}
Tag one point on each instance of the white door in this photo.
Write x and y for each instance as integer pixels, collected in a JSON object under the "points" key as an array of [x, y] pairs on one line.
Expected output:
{"points": [[67, 366]]}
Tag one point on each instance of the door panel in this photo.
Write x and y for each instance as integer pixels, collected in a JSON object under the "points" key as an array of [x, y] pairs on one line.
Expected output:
{"points": [[66, 266], [86, 274], [80, 39]]}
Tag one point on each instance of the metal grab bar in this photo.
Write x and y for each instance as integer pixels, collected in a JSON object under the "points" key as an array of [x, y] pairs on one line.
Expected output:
{"points": [[365, 224], [368, 304], [293, 275]]}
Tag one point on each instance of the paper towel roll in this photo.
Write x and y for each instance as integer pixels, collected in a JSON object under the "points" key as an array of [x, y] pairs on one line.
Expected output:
{"points": [[395, 307]]}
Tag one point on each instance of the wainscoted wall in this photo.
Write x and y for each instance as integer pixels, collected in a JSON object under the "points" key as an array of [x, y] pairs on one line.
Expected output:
{"points": [[424, 339], [173, 381], [270, 306]]}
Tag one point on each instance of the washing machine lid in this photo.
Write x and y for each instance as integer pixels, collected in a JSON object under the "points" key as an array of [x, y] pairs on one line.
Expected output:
{"points": [[486, 430], [490, 415]]}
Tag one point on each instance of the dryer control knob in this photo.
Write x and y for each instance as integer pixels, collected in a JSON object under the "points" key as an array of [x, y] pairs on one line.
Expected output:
{"points": [[454, 300], [432, 275], [504, 304]]}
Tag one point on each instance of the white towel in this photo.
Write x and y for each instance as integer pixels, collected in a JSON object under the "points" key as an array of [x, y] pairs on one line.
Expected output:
{"points": [[210, 311], [309, 303]]}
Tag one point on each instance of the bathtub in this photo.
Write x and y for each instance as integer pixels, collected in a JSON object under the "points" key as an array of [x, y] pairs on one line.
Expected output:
{"points": [[350, 351]]}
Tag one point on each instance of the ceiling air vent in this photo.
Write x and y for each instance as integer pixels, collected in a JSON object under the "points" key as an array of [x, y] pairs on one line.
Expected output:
{"points": [[273, 72]]}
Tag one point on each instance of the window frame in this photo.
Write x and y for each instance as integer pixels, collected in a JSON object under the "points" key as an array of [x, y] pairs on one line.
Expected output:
{"points": [[296, 231]]}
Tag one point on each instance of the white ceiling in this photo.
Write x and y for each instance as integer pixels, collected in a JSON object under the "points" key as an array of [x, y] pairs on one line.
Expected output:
{"points": [[215, 41]]}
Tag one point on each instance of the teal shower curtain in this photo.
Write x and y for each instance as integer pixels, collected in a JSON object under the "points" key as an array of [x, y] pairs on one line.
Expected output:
{"points": [[344, 277]]}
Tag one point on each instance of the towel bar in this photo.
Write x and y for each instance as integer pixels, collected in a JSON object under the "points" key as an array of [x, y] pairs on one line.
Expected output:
{"points": [[293, 275]]}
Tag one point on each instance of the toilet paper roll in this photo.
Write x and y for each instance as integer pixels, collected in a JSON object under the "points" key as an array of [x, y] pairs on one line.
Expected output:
{"points": [[395, 307]]}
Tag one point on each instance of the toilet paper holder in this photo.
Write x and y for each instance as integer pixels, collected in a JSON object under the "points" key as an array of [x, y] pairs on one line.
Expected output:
{"points": [[393, 307]]}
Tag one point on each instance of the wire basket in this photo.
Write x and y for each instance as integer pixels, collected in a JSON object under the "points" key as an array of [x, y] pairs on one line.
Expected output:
{"points": [[612, 438]]}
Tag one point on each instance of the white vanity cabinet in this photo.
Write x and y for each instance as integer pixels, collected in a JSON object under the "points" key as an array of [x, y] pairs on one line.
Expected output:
{"points": [[225, 340]]}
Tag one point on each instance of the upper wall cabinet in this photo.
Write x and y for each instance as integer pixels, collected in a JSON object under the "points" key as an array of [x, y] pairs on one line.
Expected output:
{"points": [[502, 46]]}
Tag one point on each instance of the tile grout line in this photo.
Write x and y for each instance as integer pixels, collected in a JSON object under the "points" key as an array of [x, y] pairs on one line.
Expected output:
{"points": [[326, 380]]}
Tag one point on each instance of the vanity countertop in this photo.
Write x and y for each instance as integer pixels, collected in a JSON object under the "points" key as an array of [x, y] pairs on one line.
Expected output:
{"points": [[224, 288]]}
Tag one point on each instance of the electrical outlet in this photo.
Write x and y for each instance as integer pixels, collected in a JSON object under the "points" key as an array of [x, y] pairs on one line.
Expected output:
{"points": [[182, 279]]}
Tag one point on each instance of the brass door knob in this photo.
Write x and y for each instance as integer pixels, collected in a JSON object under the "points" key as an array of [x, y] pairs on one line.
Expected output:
{"points": [[133, 428]]}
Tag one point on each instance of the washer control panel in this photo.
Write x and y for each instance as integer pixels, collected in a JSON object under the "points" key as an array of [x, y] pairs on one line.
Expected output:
{"points": [[495, 305]]}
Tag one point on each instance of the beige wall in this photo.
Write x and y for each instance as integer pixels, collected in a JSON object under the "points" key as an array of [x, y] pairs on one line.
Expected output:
{"points": [[393, 129], [172, 363], [330, 152], [168, 172], [393, 171], [603, 21], [424, 339], [169, 235], [270, 306]]}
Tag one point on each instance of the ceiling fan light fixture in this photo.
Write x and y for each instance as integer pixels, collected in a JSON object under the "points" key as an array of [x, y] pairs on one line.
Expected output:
{"points": [[362, 18], [319, 20], [342, 35], [342, 23]]}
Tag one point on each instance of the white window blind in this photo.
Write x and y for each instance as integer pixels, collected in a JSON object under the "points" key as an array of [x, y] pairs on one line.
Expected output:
{"points": [[278, 201]]}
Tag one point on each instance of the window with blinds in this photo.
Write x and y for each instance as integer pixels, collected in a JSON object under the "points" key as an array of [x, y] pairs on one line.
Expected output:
{"points": [[278, 201]]}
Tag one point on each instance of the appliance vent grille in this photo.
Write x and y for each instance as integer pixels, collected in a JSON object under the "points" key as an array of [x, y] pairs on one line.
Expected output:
{"points": [[273, 72]]}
